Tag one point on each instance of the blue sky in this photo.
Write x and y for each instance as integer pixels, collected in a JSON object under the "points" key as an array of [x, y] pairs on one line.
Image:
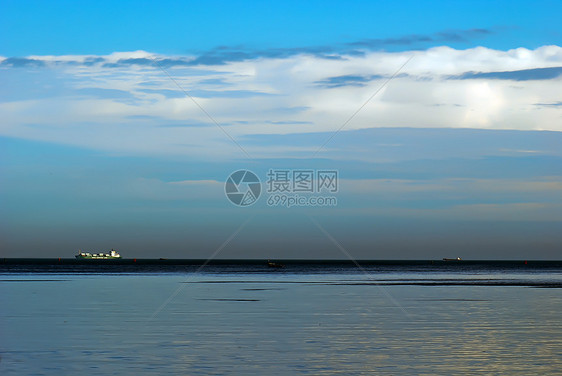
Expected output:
{"points": [[177, 27], [450, 118]]}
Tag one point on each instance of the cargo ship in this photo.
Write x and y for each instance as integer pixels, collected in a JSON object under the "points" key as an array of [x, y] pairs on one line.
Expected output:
{"points": [[98, 256]]}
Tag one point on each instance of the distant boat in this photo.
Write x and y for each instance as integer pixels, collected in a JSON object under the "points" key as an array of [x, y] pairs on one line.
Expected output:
{"points": [[452, 259], [272, 264], [98, 256]]}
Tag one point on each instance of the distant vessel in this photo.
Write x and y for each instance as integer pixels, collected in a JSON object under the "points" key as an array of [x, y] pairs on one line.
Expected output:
{"points": [[98, 256], [272, 264], [452, 259]]}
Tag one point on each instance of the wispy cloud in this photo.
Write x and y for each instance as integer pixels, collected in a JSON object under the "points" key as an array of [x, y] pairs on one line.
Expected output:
{"points": [[419, 40], [554, 104], [17, 62], [165, 62], [517, 75], [57, 98], [222, 55], [347, 80]]}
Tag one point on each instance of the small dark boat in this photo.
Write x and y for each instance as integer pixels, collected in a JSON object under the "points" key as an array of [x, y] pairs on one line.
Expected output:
{"points": [[452, 259], [272, 264]]}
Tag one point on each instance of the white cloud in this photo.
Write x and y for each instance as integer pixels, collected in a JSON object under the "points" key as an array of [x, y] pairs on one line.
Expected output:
{"points": [[474, 187], [510, 212], [196, 182], [425, 96]]}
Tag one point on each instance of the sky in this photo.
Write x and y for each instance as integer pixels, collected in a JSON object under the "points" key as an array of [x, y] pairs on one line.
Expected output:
{"points": [[121, 123]]}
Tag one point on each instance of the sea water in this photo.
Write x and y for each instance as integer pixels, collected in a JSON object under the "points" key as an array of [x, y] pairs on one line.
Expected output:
{"points": [[238, 320]]}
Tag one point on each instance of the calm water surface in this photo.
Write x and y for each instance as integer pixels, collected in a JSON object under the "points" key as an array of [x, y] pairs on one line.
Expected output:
{"points": [[221, 321]]}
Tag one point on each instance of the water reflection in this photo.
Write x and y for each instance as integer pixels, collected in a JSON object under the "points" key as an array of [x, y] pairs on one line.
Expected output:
{"points": [[285, 325]]}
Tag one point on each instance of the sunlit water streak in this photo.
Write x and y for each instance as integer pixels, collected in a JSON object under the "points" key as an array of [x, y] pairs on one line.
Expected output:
{"points": [[232, 322]]}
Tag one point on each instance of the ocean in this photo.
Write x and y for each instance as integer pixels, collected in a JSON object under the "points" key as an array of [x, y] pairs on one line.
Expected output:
{"points": [[153, 317]]}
